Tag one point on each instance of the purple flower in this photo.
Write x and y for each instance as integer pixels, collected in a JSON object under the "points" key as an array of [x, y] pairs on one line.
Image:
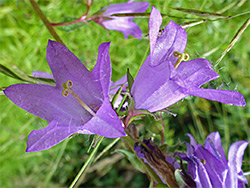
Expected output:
{"points": [[208, 165], [164, 80], [122, 24], [79, 103]]}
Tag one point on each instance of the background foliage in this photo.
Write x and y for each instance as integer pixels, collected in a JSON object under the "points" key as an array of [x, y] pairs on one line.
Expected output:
{"points": [[23, 41]]}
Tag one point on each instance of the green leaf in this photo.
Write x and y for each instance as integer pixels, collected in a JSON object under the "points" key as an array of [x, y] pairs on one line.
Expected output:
{"points": [[199, 13], [134, 160], [130, 80], [10, 73]]}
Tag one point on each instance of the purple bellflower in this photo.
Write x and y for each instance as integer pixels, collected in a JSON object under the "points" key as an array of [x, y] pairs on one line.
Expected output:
{"points": [[208, 165], [164, 79], [79, 103], [122, 24]]}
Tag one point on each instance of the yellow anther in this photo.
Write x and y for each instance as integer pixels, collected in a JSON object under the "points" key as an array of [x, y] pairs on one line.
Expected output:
{"points": [[181, 57], [203, 161], [67, 85], [65, 92]]}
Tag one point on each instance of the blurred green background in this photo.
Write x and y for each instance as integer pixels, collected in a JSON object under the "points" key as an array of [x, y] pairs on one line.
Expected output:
{"points": [[23, 41]]}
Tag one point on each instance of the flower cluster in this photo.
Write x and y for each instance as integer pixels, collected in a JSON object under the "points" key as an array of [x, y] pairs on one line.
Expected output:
{"points": [[88, 102]]}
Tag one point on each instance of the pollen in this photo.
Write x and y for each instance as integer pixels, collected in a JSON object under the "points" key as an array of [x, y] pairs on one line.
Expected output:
{"points": [[181, 57]]}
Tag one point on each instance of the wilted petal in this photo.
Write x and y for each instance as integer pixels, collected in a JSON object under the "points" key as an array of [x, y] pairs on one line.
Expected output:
{"points": [[173, 38], [155, 21], [124, 25], [228, 97], [49, 136], [105, 122], [196, 72]]}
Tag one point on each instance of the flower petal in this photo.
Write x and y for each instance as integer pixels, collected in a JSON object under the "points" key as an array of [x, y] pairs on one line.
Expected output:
{"points": [[66, 66], [172, 39], [196, 72], [213, 145], [40, 74], [49, 136], [153, 89], [197, 170], [224, 96], [235, 155], [48, 103], [155, 21], [124, 25], [116, 85], [105, 122], [102, 69], [129, 7], [215, 168]]}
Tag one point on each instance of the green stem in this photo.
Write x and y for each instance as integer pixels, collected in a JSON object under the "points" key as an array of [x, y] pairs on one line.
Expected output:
{"points": [[58, 159], [120, 106], [86, 163], [46, 22]]}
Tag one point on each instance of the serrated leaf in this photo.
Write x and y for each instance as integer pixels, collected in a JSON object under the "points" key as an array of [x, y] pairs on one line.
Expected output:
{"points": [[134, 160]]}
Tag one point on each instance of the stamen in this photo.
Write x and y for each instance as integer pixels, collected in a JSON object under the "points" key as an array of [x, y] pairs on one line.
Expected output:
{"points": [[203, 161], [67, 85], [181, 57]]}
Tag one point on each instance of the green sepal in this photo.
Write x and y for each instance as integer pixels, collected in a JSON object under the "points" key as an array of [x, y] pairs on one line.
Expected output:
{"points": [[130, 80]]}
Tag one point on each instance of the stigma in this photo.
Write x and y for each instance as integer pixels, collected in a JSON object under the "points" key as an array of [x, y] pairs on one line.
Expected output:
{"points": [[181, 57], [67, 90]]}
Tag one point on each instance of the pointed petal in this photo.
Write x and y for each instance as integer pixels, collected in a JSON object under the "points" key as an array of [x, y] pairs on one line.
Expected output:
{"points": [[66, 66], [173, 38], [129, 7], [196, 72], [215, 168], [49, 136], [155, 21], [228, 97], [102, 69], [124, 25], [153, 89], [213, 145], [48, 103], [197, 170], [192, 140], [105, 122], [235, 155]]}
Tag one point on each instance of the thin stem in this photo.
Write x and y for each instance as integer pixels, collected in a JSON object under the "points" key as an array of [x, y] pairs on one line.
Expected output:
{"points": [[46, 22], [120, 106], [86, 163]]}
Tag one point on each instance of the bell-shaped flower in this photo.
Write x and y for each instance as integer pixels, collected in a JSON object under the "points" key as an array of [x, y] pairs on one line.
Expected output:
{"points": [[164, 79], [123, 24], [208, 165], [79, 103]]}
